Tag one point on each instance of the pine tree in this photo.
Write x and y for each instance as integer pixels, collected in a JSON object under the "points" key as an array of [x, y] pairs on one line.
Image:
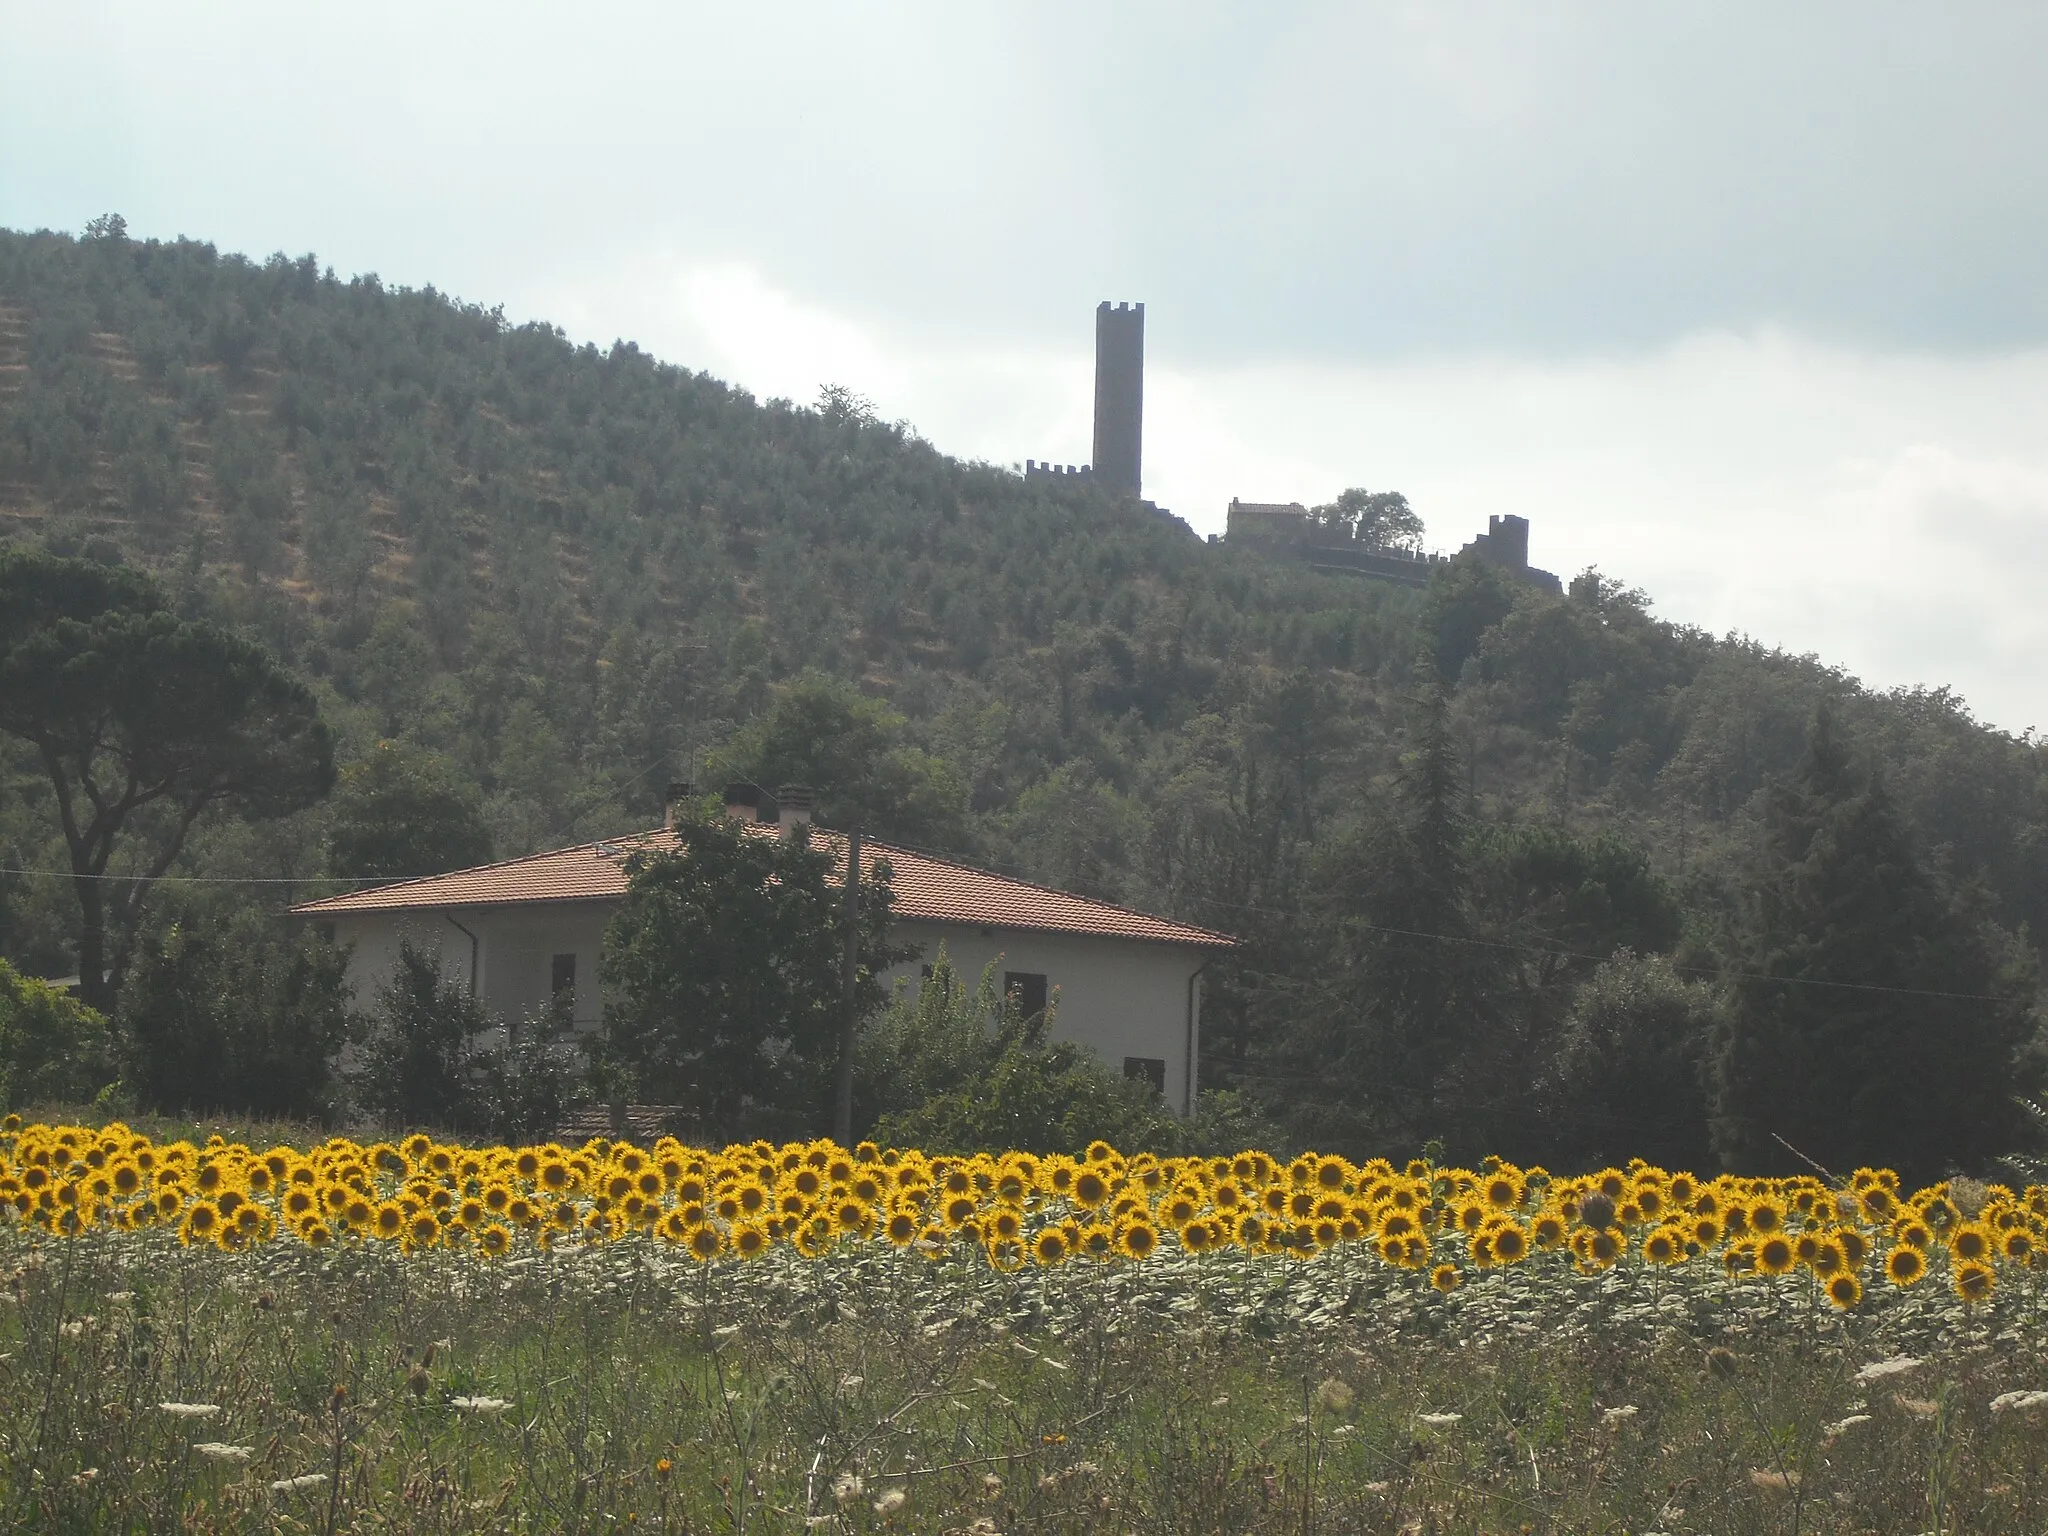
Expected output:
{"points": [[1381, 1054], [1874, 1020]]}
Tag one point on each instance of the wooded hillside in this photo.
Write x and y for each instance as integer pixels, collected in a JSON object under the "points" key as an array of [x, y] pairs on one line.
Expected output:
{"points": [[560, 576]]}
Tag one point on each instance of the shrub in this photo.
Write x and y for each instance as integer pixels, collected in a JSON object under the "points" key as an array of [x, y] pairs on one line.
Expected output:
{"points": [[53, 1049], [229, 1020]]}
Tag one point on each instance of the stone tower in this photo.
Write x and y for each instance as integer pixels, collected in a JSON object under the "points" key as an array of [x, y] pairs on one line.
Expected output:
{"points": [[1119, 396]]}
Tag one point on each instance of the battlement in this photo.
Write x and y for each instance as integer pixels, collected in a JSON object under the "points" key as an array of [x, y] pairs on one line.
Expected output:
{"points": [[1065, 474]]}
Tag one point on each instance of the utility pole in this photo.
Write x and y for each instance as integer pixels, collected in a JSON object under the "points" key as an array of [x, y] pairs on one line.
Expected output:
{"points": [[842, 1114]]}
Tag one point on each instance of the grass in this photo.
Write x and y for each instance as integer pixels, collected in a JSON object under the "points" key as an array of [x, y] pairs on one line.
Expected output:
{"points": [[623, 1385]]}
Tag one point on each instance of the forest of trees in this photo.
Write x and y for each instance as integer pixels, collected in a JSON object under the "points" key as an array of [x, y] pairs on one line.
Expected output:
{"points": [[1544, 875]]}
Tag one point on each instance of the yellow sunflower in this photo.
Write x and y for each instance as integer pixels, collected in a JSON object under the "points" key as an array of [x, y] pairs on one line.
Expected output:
{"points": [[1905, 1265], [1138, 1240]]}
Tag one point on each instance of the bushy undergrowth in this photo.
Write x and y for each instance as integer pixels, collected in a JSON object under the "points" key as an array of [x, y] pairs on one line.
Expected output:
{"points": [[148, 1385]]}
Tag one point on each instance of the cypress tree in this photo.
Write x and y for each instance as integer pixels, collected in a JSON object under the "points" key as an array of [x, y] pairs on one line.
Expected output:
{"points": [[1875, 1019], [1382, 1054]]}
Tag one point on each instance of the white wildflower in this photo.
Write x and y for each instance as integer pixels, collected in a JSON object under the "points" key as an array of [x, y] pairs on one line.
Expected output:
{"points": [[190, 1410], [485, 1405], [1334, 1395], [220, 1450], [891, 1500], [850, 1383], [298, 1484], [1219, 1402], [1439, 1420], [1878, 1370], [72, 1329], [1842, 1426], [847, 1486], [2018, 1402], [1616, 1415]]}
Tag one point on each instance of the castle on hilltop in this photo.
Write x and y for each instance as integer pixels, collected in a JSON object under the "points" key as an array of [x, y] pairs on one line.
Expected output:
{"points": [[1118, 465], [1290, 529], [1283, 528]]}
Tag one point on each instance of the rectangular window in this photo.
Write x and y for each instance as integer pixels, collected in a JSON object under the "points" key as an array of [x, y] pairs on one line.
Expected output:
{"points": [[1147, 1069], [1027, 989], [563, 978]]}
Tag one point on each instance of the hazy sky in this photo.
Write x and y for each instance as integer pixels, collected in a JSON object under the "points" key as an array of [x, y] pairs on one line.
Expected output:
{"points": [[1745, 304]]}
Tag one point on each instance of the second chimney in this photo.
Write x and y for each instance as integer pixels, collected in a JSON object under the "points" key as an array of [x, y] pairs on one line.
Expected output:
{"points": [[793, 804], [742, 801], [676, 803]]}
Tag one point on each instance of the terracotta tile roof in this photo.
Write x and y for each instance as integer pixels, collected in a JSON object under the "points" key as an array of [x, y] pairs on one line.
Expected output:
{"points": [[927, 888]]}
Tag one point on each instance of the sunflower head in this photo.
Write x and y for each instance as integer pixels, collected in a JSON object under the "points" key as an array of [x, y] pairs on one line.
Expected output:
{"points": [[1905, 1265], [1974, 1282], [1049, 1247], [1970, 1243], [1775, 1254]]}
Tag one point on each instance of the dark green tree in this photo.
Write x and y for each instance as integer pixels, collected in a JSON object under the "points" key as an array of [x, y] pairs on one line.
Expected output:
{"points": [[1565, 902], [1377, 519], [224, 1020], [399, 812], [855, 752], [1381, 1051], [1466, 598], [1628, 1075], [722, 971], [1877, 1017], [143, 722]]}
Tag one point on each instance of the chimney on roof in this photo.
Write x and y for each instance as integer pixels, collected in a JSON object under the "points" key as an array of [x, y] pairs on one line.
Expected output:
{"points": [[675, 803], [742, 802], [793, 806]]}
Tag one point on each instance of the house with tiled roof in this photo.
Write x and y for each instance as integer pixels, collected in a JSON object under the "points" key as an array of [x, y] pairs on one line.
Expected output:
{"points": [[528, 933]]}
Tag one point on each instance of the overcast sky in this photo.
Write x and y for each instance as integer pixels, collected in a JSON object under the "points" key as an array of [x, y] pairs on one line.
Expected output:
{"points": [[1745, 304]]}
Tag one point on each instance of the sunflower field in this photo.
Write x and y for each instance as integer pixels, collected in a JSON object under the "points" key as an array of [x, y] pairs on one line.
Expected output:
{"points": [[1017, 1210], [283, 1333]]}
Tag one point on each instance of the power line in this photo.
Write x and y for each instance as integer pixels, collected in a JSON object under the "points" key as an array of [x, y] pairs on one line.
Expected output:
{"points": [[1471, 940], [65, 874]]}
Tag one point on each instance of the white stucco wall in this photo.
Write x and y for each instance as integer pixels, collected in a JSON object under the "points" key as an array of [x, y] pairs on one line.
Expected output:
{"points": [[514, 952], [1117, 997]]}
